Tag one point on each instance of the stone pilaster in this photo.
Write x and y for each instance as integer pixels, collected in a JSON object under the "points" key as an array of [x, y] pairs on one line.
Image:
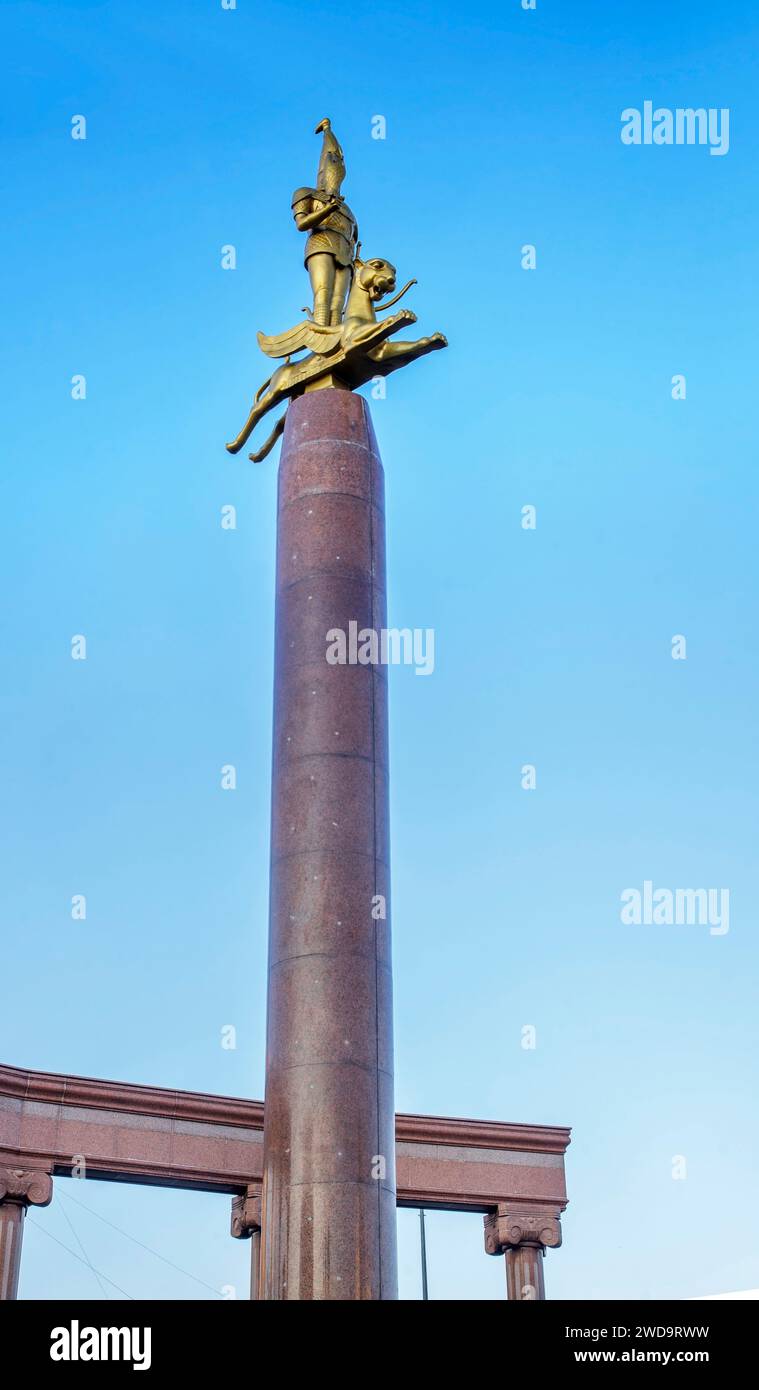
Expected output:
{"points": [[522, 1235], [19, 1188], [246, 1225]]}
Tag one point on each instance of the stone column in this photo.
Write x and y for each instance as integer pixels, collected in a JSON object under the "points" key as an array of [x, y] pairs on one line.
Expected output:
{"points": [[246, 1225], [329, 1162], [522, 1235], [19, 1189]]}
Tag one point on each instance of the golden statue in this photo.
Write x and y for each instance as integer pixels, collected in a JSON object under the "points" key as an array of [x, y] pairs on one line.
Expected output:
{"points": [[331, 246], [344, 347]]}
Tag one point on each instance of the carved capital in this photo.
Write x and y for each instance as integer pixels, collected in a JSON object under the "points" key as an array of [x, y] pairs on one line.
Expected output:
{"points": [[511, 1226], [246, 1214], [29, 1187]]}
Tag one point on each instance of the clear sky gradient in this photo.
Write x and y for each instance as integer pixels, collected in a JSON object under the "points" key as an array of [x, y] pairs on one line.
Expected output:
{"points": [[553, 647]]}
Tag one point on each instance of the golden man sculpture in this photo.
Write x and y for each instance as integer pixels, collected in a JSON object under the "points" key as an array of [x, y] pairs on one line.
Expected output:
{"points": [[345, 344], [331, 246]]}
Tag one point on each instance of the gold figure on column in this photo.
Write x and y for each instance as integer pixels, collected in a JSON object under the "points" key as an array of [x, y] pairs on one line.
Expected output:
{"points": [[343, 346], [332, 228]]}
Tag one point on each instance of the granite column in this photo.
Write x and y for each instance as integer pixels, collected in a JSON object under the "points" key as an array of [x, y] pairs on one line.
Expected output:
{"points": [[19, 1188], [328, 1202]]}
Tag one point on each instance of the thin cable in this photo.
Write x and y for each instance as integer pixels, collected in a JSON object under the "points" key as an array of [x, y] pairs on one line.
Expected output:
{"points": [[142, 1245], [46, 1232], [103, 1290]]}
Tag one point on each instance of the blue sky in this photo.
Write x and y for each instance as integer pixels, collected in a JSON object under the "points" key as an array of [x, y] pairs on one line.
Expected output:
{"points": [[553, 647]]}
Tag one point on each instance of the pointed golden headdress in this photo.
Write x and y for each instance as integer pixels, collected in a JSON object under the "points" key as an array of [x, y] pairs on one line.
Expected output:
{"points": [[331, 160]]}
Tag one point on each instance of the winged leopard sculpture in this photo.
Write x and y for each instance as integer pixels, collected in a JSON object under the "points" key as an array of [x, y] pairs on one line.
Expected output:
{"points": [[355, 351]]}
